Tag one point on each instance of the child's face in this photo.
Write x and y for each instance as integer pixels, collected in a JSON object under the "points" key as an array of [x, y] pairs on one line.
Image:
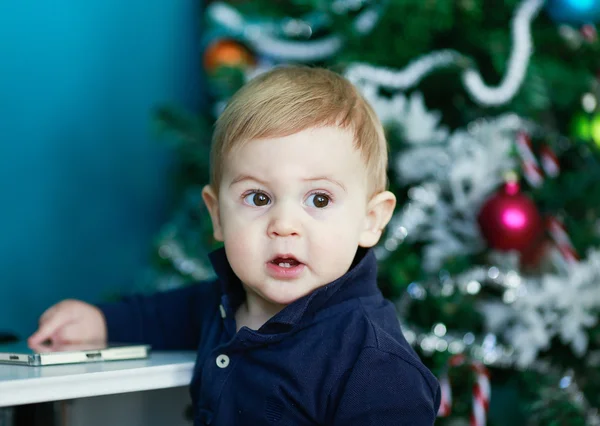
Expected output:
{"points": [[293, 210]]}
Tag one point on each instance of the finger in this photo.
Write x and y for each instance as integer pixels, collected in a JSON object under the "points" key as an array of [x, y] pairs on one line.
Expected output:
{"points": [[39, 347], [69, 333], [46, 330], [48, 313]]}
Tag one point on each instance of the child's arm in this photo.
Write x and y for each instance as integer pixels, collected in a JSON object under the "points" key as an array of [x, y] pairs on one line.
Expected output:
{"points": [[69, 321], [167, 320], [383, 389]]}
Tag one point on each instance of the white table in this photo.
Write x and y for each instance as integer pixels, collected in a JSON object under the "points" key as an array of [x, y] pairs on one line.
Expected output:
{"points": [[26, 385]]}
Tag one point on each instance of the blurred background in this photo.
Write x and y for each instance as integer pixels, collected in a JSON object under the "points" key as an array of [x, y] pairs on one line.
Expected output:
{"points": [[491, 112], [83, 179]]}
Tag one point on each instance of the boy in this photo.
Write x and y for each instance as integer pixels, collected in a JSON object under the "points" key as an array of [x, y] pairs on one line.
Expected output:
{"points": [[294, 330]]}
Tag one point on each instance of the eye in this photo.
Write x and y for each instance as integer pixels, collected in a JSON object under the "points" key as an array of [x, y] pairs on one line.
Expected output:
{"points": [[257, 199], [319, 200]]}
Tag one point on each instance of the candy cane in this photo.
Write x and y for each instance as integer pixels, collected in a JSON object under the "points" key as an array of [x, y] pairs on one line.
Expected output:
{"points": [[446, 402], [481, 395], [481, 391], [558, 232], [534, 176], [531, 167], [549, 161]]}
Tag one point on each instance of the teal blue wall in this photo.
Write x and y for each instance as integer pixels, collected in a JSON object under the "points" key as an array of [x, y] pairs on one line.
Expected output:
{"points": [[83, 181]]}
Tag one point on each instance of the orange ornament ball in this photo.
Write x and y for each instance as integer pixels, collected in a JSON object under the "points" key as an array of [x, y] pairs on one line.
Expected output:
{"points": [[227, 52]]}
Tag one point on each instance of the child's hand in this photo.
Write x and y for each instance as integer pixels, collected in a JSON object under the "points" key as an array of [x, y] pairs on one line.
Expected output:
{"points": [[70, 321]]}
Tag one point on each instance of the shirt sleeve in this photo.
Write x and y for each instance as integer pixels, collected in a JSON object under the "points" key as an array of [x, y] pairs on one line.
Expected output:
{"points": [[383, 389], [166, 320]]}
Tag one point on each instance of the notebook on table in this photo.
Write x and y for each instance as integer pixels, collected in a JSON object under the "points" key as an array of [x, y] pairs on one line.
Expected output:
{"points": [[20, 354]]}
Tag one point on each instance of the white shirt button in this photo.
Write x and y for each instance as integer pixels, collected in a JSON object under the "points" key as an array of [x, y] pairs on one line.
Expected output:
{"points": [[222, 361], [222, 309]]}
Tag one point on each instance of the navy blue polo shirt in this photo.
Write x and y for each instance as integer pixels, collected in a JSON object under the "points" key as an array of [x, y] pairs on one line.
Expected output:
{"points": [[336, 356]]}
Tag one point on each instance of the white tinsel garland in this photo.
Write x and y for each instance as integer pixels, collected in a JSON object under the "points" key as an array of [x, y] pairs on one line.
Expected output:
{"points": [[518, 62], [266, 40]]}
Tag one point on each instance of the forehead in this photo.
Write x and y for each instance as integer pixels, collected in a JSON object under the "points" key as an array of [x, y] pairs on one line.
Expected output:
{"points": [[327, 151]]}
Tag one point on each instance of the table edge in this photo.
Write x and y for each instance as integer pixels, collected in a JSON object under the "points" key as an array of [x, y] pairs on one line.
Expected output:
{"points": [[33, 390]]}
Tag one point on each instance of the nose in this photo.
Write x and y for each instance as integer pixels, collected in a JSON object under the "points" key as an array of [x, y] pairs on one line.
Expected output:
{"points": [[284, 221]]}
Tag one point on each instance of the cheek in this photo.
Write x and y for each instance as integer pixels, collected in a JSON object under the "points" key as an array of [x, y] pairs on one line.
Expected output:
{"points": [[241, 249], [236, 250], [235, 218], [239, 233], [339, 236], [333, 255], [348, 222]]}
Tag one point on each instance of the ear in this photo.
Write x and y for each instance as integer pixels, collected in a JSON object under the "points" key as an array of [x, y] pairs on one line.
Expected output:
{"points": [[379, 212], [212, 204]]}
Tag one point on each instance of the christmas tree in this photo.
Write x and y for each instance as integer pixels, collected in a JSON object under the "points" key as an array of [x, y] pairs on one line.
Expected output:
{"points": [[491, 112]]}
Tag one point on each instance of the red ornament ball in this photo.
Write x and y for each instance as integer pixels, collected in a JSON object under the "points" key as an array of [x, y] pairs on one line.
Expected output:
{"points": [[510, 221], [227, 52]]}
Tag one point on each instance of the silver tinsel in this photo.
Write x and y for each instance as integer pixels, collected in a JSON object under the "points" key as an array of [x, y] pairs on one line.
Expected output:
{"points": [[485, 348], [438, 338]]}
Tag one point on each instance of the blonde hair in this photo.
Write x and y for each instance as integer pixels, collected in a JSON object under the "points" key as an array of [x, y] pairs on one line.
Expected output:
{"points": [[287, 100]]}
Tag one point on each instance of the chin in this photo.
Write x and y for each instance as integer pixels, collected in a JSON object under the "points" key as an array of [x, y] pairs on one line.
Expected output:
{"points": [[281, 298]]}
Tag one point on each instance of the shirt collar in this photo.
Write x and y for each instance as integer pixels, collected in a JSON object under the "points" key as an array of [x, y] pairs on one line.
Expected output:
{"points": [[359, 281]]}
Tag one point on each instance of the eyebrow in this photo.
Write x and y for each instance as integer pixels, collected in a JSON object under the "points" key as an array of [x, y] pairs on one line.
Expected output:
{"points": [[327, 178], [242, 178]]}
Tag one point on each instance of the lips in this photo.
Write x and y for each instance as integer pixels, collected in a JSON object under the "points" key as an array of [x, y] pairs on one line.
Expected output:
{"points": [[285, 261], [285, 267]]}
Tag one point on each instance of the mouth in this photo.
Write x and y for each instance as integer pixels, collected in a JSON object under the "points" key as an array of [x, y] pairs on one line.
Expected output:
{"points": [[285, 261], [285, 267]]}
